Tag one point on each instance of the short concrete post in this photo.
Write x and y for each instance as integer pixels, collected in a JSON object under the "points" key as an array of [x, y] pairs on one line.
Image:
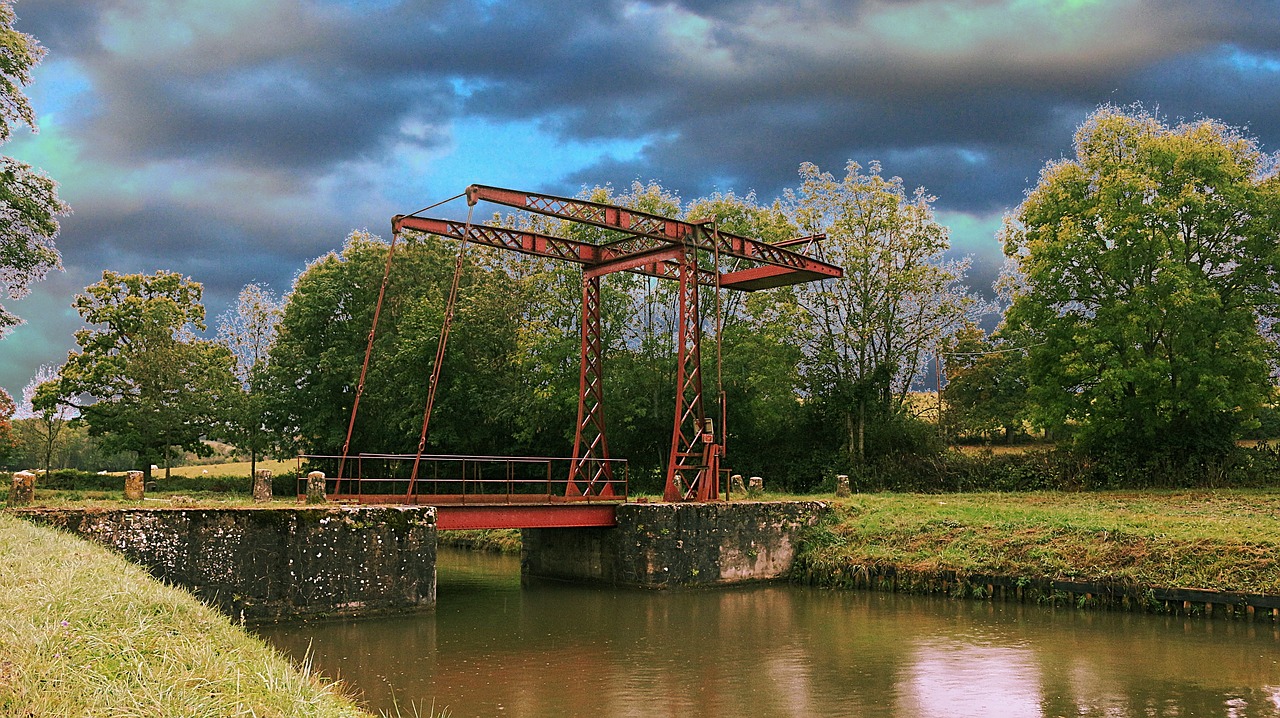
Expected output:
{"points": [[315, 488], [262, 486], [133, 486], [736, 485], [842, 486], [755, 487], [678, 481], [23, 491]]}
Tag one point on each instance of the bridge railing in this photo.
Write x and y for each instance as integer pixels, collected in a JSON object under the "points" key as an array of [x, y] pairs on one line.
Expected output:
{"points": [[450, 478]]}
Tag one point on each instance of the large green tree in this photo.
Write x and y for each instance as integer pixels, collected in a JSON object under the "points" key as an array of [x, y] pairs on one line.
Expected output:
{"points": [[316, 360], [141, 379], [1146, 264], [29, 204]]}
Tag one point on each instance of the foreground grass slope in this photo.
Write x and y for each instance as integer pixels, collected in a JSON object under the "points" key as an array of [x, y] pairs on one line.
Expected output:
{"points": [[85, 633], [1222, 540]]}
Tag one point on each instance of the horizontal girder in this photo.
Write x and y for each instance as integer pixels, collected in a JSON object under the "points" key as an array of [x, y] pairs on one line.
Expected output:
{"points": [[599, 259], [652, 226]]}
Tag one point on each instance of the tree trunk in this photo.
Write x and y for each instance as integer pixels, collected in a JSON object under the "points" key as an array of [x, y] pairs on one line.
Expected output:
{"points": [[862, 430]]}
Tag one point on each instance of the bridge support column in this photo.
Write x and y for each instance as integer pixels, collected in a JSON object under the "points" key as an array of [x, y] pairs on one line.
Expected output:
{"points": [[267, 564], [670, 545]]}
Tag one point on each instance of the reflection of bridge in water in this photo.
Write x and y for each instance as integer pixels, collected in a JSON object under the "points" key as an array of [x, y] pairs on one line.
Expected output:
{"points": [[481, 492]]}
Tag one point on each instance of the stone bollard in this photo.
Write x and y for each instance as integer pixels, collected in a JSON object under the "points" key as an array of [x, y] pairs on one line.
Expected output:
{"points": [[842, 486], [678, 481], [23, 491], [315, 488], [133, 486], [736, 485], [755, 487], [262, 486]]}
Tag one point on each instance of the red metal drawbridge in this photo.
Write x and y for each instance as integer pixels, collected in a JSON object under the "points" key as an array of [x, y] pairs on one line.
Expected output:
{"points": [[642, 243]]}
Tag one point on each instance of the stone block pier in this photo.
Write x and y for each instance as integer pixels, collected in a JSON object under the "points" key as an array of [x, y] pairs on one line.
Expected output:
{"points": [[264, 564], [260, 564], [675, 545]]}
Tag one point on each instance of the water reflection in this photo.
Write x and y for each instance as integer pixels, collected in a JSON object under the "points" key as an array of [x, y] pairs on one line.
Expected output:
{"points": [[496, 649]]}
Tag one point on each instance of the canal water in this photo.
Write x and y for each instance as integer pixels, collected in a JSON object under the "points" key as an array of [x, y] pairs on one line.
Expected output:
{"points": [[495, 648]]}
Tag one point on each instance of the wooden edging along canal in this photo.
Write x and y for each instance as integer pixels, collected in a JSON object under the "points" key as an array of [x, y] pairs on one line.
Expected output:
{"points": [[1083, 594]]}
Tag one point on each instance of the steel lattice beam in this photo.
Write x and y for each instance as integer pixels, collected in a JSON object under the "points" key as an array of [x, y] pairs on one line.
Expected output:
{"points": [[799, 267], [591, 465], [688, 475], [600, 259]]}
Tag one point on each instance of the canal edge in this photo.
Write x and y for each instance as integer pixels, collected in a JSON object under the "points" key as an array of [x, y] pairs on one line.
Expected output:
{"points": [[1101, 595]]}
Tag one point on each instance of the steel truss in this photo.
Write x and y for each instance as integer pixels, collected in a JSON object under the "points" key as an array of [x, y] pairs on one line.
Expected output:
{"points": [[653, 246]]}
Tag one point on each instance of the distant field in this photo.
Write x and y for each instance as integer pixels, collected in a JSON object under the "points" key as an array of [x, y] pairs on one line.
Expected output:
{"points": [[237, 468]]}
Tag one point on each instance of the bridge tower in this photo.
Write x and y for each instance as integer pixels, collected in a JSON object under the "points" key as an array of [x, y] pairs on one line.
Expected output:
{"points": [[689, 253]]}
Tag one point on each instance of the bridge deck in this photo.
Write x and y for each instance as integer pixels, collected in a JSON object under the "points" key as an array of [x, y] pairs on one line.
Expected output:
{"points": [[452, 515]]}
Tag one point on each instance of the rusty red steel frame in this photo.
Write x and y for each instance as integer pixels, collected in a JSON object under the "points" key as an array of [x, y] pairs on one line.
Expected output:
{"points": [[477, 492], [654, 246]]}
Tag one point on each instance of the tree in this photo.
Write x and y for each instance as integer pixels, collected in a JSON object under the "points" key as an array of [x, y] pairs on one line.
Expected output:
{"points": [[43, 429], [1146, 264], [248, 331], [8, 442], [141, 379], [874, 330], [986, 385], [29, 203], [769, 429], [316, 361]]}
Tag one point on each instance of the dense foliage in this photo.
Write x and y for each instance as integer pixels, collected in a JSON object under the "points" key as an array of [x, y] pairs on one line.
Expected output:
{"points": [[869, 334], [141, 380], [1147, 266], [510, 379]]}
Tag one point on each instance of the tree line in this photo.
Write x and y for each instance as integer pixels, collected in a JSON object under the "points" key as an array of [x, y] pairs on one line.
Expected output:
{"points": [[1135, 317]]}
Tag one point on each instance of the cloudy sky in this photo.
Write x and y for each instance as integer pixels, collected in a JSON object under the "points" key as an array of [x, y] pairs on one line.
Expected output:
{"points": [[235, 140]]}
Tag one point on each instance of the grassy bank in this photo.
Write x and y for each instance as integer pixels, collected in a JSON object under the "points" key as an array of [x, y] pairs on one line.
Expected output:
{"points": [[505, 541], [85, 633], [1221, 540]]}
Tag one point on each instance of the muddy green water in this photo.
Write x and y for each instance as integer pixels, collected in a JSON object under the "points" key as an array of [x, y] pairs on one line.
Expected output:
{"points": [[494, 648]]}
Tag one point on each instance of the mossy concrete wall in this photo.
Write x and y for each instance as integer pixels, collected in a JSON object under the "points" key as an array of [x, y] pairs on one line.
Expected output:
{"points": [[260, 564], [671, 545]]}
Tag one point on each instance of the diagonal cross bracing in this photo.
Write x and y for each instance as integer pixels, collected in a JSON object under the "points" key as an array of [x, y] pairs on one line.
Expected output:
{"points": [[656, 227]]}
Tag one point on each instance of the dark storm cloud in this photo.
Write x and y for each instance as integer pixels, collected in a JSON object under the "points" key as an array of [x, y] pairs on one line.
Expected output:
{"points": [[59, 23], [270, 116], [200, 243], [259, 133], [1236, 86], [741, 90], [975, 129]]}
